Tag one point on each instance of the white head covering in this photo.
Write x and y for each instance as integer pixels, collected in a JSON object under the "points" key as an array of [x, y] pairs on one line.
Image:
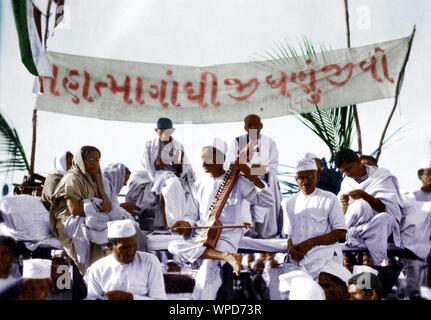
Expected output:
{"points": [[59, 164], [217, 143], [425, 164], [121, 229], [305, 164], [301, 286], [359, 269], [113, 180], [310, 156], [337, 270], [36, 269]]}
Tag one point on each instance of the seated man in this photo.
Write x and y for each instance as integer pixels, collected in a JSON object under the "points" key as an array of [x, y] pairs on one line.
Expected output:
{"points": [[314, 224], [265, 164], [126, 274], [208, 278], [168, 173], [371, 203]]}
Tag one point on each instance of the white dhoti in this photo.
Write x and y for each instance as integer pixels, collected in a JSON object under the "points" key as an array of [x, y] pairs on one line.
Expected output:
{"points": [[374, 235], [208, 279], [315, 259]]}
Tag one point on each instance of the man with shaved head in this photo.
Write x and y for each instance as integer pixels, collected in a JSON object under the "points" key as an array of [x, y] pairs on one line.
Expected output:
{"points": [[264, 163]]}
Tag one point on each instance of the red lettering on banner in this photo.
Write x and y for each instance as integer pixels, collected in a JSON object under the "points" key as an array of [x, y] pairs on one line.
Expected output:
{"points": [[373, 67], [174, 92], [241, 87], [139, 90], [163, 87], [86, 87], [98, 85], [281, 84], [154, 94], [53, 81], [384, 65], [73, 85], [125, 88], [200, 97], [301, 77], [339, 72]]}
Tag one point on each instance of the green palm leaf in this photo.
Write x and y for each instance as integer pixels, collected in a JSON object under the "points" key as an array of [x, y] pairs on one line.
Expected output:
{"points": [[12, 154]]}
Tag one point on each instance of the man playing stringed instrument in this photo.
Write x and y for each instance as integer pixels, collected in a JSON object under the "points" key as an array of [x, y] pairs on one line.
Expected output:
{"points": [[230, 219]]}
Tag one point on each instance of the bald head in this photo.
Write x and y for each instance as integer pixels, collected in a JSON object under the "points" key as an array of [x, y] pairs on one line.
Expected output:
{"points": [[253, 125]]}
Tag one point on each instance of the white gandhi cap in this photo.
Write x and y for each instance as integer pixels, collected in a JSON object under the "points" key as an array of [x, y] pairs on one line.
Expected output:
{"points": [[359, 269], [121, 229], [301, 286], [337, 270], [305, 165], [36, 269], [310, 156]]}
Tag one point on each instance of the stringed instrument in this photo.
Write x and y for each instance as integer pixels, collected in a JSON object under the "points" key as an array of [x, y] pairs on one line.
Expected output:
{"points": [[212, 227]]}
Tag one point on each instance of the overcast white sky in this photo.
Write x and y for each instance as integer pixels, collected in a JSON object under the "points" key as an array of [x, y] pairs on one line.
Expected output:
{"points": [[207, 32]]}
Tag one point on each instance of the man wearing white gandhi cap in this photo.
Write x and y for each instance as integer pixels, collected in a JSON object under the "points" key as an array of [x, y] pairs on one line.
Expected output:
{"points": [[334, 279], [208, 278], [126, 274], [314, 224], [35, 284]]}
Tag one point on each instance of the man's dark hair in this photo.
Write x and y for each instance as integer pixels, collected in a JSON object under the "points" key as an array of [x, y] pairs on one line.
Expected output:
{"points": [[345, 156], [127, 170], [9, 242], [85, 150], [374, 282], [421, 173], [69, 154]]}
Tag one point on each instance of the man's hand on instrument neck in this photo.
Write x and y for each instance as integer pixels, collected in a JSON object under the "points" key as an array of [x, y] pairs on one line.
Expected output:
{"points": [[180, 227]]}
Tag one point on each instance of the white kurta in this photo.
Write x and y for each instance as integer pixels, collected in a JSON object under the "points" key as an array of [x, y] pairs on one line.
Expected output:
{"points": [[208, 278], [309, 216], [266, 154], [173, 188], [365, 225], [143, 277]]}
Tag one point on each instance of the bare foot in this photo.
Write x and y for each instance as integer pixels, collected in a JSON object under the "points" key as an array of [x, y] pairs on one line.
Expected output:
{"points": [[235, 261]]}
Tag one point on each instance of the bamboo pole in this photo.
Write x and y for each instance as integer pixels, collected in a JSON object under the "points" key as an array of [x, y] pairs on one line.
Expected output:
{"points": [[397, 93], [33, 142], [355, 109]]}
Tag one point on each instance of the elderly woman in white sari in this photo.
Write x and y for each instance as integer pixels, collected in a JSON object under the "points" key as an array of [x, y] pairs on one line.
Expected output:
{"points": [[62, 163], [82, 181]]}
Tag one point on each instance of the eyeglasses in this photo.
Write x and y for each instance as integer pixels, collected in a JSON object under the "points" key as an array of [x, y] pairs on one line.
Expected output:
{"points": [[93, 160], [302, 178]]}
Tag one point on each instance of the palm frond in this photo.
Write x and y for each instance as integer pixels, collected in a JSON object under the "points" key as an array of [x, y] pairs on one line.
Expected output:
{"points": [[12, 154]]}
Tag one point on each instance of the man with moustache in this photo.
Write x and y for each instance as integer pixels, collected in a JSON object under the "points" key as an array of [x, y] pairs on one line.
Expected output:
{"points": [[126, 274]]}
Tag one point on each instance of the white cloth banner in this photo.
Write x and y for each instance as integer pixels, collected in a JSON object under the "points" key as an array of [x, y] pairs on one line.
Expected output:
{"points": [[142, 92]]}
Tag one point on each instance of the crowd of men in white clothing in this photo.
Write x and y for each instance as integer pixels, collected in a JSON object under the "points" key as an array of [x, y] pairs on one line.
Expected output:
{"points": [[106, 243]]}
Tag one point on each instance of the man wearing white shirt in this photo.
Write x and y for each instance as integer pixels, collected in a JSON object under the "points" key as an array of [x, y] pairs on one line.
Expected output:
{"points": [[314, 223], [125, 274], [208, 279], [264, 163]]}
